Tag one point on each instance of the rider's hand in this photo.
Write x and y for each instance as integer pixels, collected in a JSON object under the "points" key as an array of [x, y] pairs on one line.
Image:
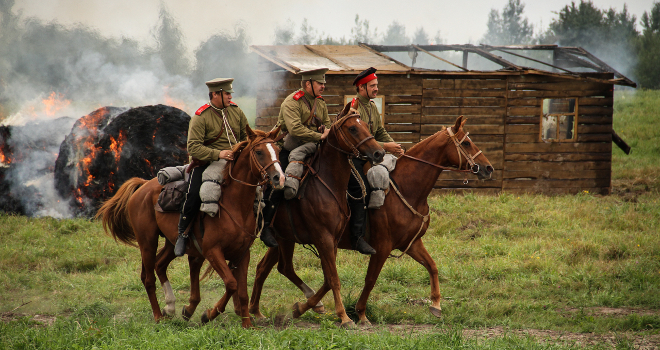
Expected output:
{"points": [[325, 134], [394, 148], [226, 154]]}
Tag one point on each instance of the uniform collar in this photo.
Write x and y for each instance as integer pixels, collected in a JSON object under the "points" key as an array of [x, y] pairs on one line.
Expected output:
{"points": [[363, 99], [216, 108], [309, 97]]}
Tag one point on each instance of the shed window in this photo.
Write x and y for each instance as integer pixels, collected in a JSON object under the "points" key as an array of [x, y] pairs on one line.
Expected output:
{"points": [[559, 119]]}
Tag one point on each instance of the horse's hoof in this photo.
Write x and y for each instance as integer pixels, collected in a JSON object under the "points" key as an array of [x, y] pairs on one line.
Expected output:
{"points": [[205, 317], [296, 310], [165, 314], [364, 324], [435, 311], [348, 325], [319, 309], [184, 313]]}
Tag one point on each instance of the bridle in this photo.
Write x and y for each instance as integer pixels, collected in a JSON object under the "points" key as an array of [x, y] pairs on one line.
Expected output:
{"points": [[474, 167], [341, 136], [262, 170]]}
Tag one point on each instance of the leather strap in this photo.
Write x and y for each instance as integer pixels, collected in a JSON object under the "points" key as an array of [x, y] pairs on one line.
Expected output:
{"points": [[312, 109]]}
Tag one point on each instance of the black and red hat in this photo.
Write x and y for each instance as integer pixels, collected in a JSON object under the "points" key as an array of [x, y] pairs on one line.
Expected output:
{"points": [[366, 76]]}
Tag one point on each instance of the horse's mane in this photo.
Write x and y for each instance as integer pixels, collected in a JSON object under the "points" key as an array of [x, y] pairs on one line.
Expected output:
{"points": [[238, 149], [422, 144]]}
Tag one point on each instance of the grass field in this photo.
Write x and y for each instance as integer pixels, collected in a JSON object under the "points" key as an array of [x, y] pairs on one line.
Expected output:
{"points": [[516, 272]]}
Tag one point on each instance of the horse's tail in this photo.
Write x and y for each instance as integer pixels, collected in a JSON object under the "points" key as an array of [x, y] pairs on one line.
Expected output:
{"points": [[114, 212]]}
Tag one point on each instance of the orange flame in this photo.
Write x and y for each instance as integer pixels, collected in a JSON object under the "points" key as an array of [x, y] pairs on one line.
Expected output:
{"points": [[54, 103]]}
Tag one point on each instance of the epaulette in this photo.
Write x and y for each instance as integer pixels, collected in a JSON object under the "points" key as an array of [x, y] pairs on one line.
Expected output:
{"points": [[232, 103], [298, 95], [202, 109], [354, 103]]}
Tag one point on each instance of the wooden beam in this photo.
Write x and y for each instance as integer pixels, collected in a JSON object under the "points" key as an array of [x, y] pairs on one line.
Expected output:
{"points": [[438, 57], [368, 47], [497, 59], [291, 68], [319, 53], [529, 58], [607, 67]]}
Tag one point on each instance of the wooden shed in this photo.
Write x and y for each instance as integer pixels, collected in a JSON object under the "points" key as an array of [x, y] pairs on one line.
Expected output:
{"points": [[541, 114]]}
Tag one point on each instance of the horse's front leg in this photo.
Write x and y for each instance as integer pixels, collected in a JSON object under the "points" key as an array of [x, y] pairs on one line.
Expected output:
{"points": [[217, 260], [263, 270], [241, 307], [328, 255], [376, 263], [418, 252], [195, 266], [285, 267]]}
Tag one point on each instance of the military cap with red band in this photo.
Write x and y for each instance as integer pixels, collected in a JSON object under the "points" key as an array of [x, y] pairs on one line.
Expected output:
{"points": [[366, 76]]}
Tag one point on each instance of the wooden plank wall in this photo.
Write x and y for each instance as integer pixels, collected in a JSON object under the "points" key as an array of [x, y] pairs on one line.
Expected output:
{"points": [[503, 113], [531, 165], [482, 100]]}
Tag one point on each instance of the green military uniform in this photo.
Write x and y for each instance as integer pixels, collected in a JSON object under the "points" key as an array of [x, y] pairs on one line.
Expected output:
{"points": [[294, 112], [369, 113], [206, 126]]}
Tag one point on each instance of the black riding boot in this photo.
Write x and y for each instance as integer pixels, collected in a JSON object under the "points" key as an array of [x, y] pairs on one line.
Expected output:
{"points": [[358, 216], [267, 232], [182, 240]]}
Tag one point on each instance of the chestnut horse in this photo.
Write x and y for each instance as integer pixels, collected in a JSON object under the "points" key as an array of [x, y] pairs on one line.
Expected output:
{"points": [[398, 224], [129, 216], [321, 215]]}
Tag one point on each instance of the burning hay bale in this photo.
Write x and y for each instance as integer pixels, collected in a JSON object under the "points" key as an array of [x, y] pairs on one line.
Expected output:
{"points": [[27, 161], [111, 145]]}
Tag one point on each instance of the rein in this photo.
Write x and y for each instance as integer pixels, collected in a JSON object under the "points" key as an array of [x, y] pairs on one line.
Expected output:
{"points": [[474, 168], [255, 163]]}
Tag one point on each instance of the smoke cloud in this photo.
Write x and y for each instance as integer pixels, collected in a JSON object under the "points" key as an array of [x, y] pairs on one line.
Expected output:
{"points": [[49, 71]]}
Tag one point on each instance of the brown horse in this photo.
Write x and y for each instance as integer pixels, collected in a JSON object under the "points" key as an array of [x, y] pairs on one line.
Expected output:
{"points": [[398, 224], [129, 216], [321, 215]]}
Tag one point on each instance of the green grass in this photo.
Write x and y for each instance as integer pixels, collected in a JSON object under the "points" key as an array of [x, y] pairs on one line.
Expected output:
{"points": [[510, 261]]}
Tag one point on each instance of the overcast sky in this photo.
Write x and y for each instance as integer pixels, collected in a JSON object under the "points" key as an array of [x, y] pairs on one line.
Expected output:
{"points": [[459, 22]]}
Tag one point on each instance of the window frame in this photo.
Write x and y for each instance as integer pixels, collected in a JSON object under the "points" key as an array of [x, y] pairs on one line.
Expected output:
{"points": [[556, 117]]}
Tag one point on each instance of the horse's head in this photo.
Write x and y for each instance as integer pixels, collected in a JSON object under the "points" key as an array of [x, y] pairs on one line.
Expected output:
{"points": [[264, 155], [353, 137], [467, 156]]}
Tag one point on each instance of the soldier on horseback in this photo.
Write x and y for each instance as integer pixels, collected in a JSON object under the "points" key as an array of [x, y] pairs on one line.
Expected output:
{"points": [[304, 115], [366, 85], [216, 127]]}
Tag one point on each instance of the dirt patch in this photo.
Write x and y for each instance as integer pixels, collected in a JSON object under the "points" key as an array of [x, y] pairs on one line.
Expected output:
{"points": [[646, 342], [611, 311]]}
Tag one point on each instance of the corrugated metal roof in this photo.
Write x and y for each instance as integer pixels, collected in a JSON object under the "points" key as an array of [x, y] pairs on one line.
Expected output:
{"points": [[571, 62]]}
